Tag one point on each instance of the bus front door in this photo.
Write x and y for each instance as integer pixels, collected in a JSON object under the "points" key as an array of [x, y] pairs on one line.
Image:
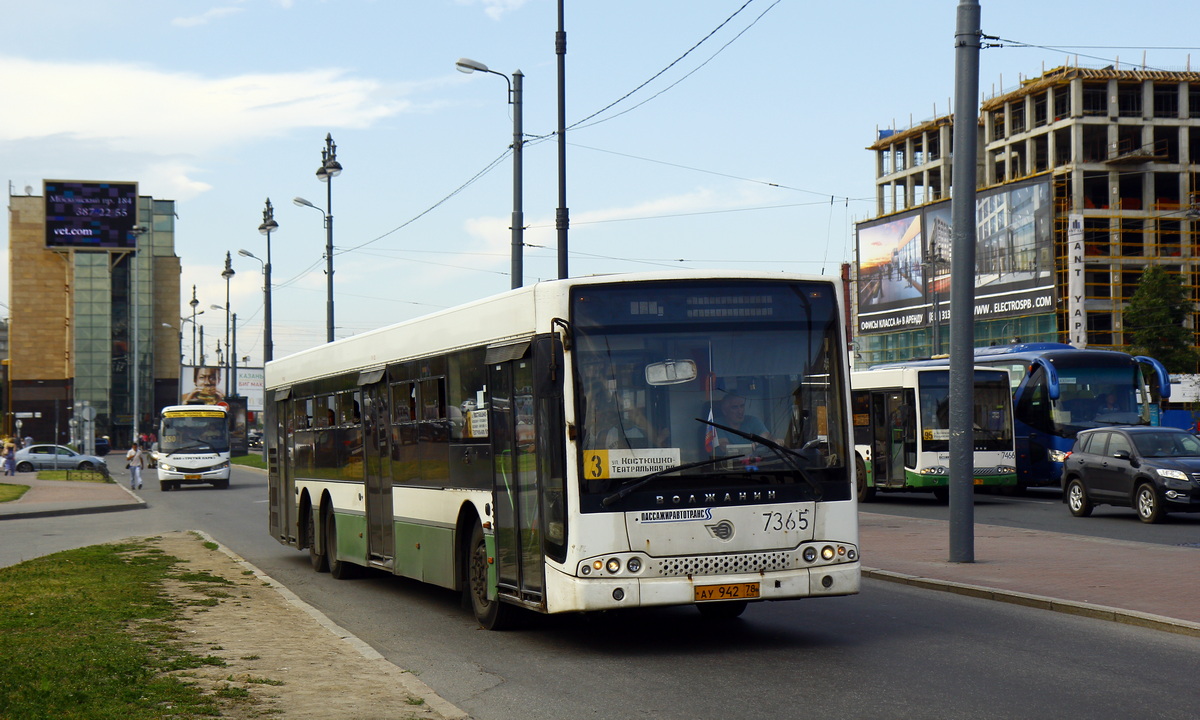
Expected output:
{"points": [[377, 461], [518, 538], [888, 424], [281, 485]]}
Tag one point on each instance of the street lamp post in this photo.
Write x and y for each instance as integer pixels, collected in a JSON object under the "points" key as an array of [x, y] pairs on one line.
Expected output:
{"points": [[468, 66], [266, 228], [330, 168], [266, 305], [228, 274], [230, 357], [138, 231], [194, 302], [192, 320]]}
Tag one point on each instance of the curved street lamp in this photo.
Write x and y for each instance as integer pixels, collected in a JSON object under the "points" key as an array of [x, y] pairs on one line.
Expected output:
{"points": [[466, 65]]}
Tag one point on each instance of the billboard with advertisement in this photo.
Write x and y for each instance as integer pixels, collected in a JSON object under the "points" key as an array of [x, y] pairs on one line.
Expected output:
{"points": [[205, 385], [90, 215], [250, 386], [904, 260]]}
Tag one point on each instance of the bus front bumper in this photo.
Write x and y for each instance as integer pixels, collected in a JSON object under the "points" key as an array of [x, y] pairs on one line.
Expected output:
{"points": [[568, 593]]}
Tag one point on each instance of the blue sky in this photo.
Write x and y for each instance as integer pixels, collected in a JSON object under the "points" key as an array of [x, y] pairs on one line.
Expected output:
{"points": [[746, 153]]}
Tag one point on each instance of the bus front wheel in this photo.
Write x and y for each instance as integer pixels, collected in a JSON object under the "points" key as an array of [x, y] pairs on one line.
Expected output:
{"points": [[316, 554], [491, 614], [865, 493], [719, 611], [339, 569]]}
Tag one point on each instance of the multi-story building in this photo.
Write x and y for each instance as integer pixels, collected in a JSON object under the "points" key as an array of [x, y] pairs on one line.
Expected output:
{"points": [[87, 323], [1102, 161]]}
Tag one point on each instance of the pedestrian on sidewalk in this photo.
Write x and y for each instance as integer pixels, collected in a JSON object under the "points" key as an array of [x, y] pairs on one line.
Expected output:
{"points": [[10, 459], [134, 460]]}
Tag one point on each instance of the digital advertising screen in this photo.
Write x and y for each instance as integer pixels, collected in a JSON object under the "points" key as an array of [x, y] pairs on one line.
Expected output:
{"points": [[904, 260], [90, 215]]}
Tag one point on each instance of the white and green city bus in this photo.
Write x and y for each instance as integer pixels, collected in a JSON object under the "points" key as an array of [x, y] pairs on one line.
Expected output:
{"points": [[902, 430], [552, 448], [193, 446]]}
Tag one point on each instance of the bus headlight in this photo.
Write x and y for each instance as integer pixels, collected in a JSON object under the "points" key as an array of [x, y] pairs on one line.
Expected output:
{"points": [[810, 554], [634, 565], [1006, 470], [935, 470], [613, 566], [827, 553]]}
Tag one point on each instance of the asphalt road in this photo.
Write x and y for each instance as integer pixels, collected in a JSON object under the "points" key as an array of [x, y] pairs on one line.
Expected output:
{"points": [[891, 651]]}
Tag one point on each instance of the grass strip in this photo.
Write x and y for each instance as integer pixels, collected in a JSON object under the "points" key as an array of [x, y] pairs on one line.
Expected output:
{"points": [[85, 635], [10, 492]]}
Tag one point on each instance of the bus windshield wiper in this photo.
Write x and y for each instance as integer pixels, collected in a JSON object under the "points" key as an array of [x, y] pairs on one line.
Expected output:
{"points": [[639, 482], [786, 454]]}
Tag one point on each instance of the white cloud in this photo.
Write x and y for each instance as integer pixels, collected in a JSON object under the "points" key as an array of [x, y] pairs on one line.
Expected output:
{"points": [[205, 18], [190, 113], [496, 9]]}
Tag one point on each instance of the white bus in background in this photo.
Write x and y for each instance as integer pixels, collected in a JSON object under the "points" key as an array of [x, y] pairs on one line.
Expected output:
{"points": [[193, 446], [549, 449], [902, 430]]}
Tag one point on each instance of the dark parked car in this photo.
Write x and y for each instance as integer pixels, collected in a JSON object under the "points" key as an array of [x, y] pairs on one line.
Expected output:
{"points": [[1154, 470], [102, 446], [51, 457]]}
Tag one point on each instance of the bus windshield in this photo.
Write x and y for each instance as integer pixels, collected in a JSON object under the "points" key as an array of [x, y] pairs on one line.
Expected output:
{"points": [[194, 430], [992, 422], [1089, 396], [656, 365]]}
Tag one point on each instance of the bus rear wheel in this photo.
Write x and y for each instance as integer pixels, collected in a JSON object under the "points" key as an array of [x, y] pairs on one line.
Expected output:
{"points": [[491, 614]]}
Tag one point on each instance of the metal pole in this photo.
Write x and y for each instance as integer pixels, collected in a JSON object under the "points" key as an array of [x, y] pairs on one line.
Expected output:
{"points": [[228, 274], [233, 356], [962, 292], [268, 341], [202, 355], [194, 302], [134, 329], [518, 215], [329, 260], [268, 225], [562, 217]]}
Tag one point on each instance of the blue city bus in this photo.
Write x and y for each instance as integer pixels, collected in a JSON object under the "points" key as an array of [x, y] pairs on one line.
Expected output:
{"points": [[1059, 390]]}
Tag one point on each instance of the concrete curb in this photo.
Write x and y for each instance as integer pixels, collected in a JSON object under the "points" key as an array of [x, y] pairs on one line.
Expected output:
{"points": [[61, 509], [1041, 602], [407, 680]]}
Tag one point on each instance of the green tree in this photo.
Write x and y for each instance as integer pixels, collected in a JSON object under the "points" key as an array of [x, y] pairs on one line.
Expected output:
{"points": [[1154, 321]]}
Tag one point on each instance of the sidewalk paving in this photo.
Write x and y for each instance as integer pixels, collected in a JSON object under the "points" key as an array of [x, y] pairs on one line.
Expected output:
{"points": [[50, 498], [1130, 582]]}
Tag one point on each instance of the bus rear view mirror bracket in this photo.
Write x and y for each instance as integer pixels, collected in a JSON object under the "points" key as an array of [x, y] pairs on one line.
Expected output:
{"points": [[671, 372]]}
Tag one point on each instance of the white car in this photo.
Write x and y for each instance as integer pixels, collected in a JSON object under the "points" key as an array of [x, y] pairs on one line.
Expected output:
{"points": [[55, 457]]}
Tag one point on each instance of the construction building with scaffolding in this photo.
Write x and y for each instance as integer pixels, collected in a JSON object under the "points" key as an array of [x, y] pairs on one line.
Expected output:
{"points": [[1085, 173]]}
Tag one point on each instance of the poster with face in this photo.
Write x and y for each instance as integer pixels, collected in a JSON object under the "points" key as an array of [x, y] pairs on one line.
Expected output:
{"points": [[201, 385]]}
